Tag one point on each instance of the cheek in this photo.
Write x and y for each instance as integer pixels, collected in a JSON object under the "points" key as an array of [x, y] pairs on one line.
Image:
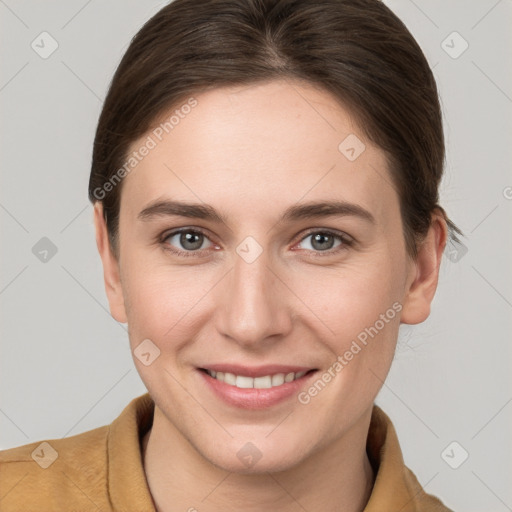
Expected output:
{"points": [[362, 311], [350, 299], [161, 301]]}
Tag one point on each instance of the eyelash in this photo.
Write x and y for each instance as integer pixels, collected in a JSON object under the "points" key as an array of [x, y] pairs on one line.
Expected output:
{"points": [[346, 241]]}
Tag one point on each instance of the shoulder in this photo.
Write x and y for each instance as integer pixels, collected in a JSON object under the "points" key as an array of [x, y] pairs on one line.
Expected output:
{"points": [[76, 467]]}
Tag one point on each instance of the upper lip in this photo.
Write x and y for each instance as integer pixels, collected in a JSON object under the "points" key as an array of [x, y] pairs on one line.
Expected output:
{"points": [[256, 371]]}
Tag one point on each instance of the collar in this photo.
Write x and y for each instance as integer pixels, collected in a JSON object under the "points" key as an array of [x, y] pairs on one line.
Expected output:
{"points": [[127, 485], [395, 488]]}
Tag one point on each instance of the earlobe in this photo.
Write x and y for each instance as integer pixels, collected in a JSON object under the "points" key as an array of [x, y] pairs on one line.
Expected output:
{"points": [[111, 274], [422, 283]]}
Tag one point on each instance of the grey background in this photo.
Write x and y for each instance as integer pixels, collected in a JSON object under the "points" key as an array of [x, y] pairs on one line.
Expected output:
{"points": [[65, 364]]}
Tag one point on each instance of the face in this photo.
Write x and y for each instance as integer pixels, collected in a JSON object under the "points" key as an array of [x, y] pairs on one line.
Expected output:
{"points": [[269, 319]]}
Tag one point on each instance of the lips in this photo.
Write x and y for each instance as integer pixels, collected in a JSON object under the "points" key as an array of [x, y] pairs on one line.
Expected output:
{"points": [[255, 387]]}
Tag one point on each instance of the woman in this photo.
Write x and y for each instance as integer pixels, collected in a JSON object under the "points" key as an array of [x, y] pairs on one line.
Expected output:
{"points": [[237, 139]]}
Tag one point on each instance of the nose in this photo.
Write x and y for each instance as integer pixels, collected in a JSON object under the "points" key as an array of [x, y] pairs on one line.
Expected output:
{"points": [[255, 304]]}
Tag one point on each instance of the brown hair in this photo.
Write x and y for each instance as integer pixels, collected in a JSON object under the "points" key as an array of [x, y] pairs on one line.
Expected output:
{"points": [[357, 50]]}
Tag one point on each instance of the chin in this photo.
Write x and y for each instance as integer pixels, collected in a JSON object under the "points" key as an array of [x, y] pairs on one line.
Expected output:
{"points": [[253, 457], [260, 466]]}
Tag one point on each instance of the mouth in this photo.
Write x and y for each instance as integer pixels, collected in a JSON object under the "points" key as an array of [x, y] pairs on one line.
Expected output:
{"points": [[255, 388], [262, 382]]}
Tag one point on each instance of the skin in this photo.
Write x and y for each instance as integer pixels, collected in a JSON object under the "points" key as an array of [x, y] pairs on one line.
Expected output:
{"points": [[251, 152]]}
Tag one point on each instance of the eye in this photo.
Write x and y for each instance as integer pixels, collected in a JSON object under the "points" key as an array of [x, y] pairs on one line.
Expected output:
{"points": [[192, 242], [323, 241], [189, 241]]}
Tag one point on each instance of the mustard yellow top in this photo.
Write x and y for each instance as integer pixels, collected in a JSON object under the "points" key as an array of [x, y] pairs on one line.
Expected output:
{"points": [[102, 469]]}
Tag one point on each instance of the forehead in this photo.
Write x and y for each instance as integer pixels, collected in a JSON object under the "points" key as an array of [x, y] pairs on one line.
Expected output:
{"points": [[259, 147]]}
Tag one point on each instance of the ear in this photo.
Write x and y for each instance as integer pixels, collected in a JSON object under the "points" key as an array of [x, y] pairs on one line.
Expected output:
{"points": [[424, 273], [111, 274]]}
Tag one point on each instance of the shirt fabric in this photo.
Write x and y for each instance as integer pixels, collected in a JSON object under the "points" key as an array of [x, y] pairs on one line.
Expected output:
{"points": [[102, 469]]}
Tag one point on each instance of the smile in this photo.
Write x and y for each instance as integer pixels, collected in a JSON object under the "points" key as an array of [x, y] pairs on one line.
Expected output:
{"points": [[263, 382], [255, 387]]}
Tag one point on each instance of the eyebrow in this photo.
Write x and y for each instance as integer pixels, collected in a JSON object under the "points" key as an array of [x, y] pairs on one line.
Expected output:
{"points": [[311, 210]]}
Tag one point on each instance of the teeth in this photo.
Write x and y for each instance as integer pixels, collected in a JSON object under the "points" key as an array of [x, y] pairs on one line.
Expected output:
{"points": [[244, 382], [279, 379], [265, 382], [230, 379]]}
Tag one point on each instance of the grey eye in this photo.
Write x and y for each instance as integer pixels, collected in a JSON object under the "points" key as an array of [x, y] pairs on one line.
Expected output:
{"points": [[188, 240], [322, 241]]}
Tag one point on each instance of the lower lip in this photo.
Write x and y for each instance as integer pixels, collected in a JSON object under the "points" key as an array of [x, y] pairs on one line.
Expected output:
{"points": [[250, 398]]}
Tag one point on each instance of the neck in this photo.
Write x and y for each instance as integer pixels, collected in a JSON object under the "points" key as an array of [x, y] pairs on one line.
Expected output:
{"points": [[338, 477]]}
